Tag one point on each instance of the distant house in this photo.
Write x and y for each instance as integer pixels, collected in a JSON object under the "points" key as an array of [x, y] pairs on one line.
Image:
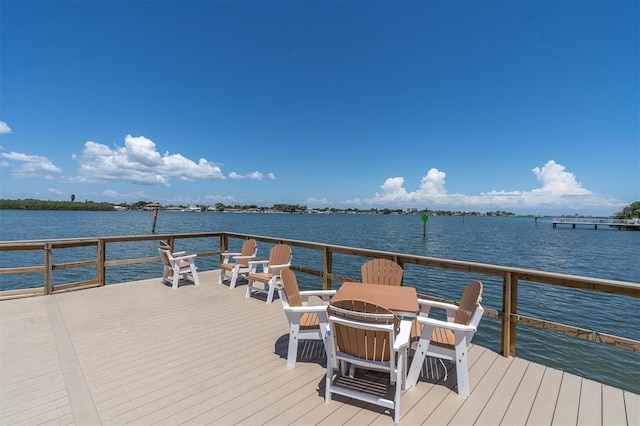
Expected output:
{"points": [[153, 206]]}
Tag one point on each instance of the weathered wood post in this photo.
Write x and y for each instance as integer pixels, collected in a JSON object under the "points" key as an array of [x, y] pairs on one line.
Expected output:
{"points": [[155, 218]]}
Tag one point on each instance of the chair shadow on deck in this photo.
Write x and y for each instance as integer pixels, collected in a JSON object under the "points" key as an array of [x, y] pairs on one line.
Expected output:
{"points": [[240, 281], [182, 282], [438, 372], [309, 351]]}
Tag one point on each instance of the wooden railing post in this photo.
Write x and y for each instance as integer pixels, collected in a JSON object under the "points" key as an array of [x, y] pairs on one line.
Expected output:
{"points": [[48, 269], [102, 256], [514, 312], [224, 244], [327, 268], [509, 310]]}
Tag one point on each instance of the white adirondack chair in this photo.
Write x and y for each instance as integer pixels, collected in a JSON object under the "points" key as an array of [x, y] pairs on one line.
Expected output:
{"points": [[306, 322], [176, 267], [447, 339], [279, 258], [366, 336], [240, 264]]}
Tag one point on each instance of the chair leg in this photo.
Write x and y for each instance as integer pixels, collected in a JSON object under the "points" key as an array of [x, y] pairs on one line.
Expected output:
{"points": [[272, 287], [292, 354], [221, 277], [234, 278], [419, 356], [249, 287], [399, 387], [194, 274], [329, 376], [462, 366], [176, 278]]}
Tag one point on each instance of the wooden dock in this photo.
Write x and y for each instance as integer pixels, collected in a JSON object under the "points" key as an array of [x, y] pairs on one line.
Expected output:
{"points": [[145, 354], [595, 222]]}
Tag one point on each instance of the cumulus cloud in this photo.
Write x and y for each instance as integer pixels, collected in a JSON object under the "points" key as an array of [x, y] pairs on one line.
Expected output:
{"points": [[29, 166], [559, 189], [54, 191], [139, 162], [555, 180], [4, 128]]}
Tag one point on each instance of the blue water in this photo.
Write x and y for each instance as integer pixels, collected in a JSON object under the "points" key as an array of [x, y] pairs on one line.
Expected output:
{"points": [[507, 241]]}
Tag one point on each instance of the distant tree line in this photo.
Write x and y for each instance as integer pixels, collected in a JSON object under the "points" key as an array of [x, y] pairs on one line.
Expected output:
{"points": [[32, 204]]}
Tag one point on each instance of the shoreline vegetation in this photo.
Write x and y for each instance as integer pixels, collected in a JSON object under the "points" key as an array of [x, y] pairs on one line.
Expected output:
{"points": [[628, 212], [34, 204]]}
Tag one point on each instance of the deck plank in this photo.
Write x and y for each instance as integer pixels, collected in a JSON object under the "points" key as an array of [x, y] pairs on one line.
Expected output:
{"points": [[150, 354], [523, 399]]}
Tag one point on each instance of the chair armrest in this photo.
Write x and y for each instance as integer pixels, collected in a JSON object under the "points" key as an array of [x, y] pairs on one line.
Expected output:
{"points": [[278, 267], [229, 254], [258, 262], [307, 309], [438, 305], [444, 324], [178, 253], [240, 257], [402, 338], [318, 293], [190, 256]]}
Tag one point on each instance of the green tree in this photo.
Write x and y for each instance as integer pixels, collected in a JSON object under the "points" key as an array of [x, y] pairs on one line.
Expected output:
{"points": [[631, 211]]}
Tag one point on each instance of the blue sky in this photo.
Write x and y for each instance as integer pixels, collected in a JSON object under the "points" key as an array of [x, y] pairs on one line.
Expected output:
{"points": [[526, 106]]}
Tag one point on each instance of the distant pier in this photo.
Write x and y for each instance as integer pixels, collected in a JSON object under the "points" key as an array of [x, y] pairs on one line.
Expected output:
{"points": [[629, 225]]}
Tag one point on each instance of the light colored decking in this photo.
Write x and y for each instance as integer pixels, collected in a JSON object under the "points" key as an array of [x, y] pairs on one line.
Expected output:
{"points": [[145, 354]]}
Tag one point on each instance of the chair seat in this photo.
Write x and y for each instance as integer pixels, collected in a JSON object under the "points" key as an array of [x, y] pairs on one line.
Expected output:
{"points": [[309, 321], [227, 266], [439, 337], [262, 277]]}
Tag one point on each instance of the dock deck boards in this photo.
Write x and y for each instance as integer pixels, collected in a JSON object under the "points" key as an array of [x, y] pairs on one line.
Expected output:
{"points": [[143, 353]]}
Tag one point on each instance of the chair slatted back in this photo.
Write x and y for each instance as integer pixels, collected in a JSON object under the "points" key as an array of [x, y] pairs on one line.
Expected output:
{"points": [[248, 249], [280, 254], [382, 271], [290, 287], [471, 297], [165, 246], [164, 255], [355, 339]]}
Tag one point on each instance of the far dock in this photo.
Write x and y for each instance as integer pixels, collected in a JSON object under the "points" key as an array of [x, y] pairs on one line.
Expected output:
{"points": [[629, 225]]}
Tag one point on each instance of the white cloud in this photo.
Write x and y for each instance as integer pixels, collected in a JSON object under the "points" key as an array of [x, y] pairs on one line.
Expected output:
{"points": [[224, 199], [4, 127], [320, 202], [135, 195], [558, 182], [29, 166], [250, 176], [559, 189], [139, 162], [54, 191], [271, 176]]}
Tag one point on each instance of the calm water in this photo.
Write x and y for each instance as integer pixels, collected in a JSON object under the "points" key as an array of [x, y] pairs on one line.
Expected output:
{"points": [[520, 242]]}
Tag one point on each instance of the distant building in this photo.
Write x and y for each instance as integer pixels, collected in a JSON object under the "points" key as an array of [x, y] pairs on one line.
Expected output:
{"points": [[153, 206]]}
